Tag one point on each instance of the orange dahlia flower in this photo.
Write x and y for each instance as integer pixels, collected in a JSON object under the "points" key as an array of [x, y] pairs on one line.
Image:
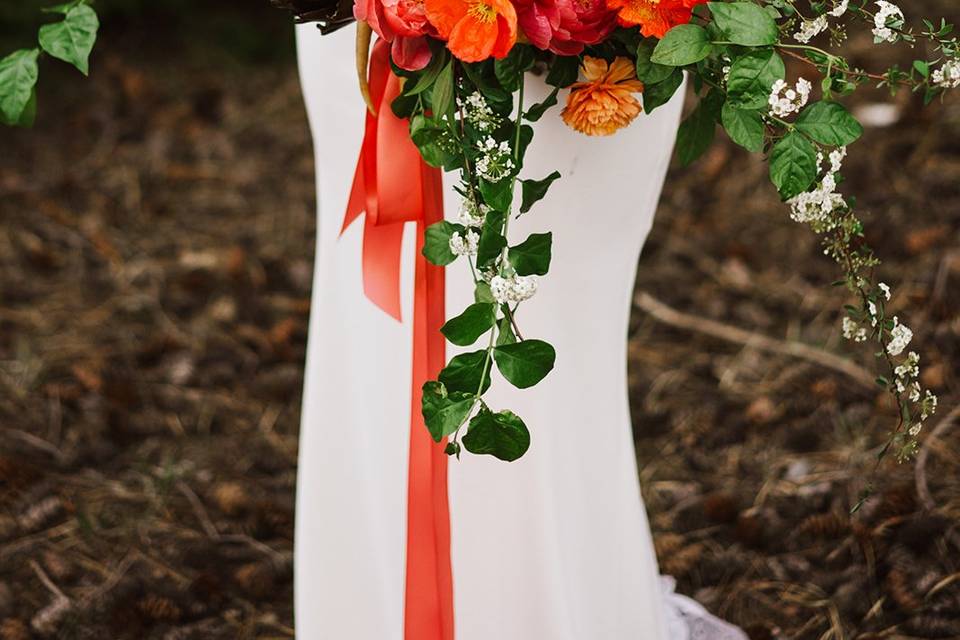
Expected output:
{"points": [[605, 102], [655, 17], [475, 29]]}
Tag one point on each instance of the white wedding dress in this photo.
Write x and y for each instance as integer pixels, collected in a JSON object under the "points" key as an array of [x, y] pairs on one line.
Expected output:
{"points": [[555, 546]]}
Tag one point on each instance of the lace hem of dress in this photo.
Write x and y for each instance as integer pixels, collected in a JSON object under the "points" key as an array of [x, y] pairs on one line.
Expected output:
{"points": [[688, 620]]}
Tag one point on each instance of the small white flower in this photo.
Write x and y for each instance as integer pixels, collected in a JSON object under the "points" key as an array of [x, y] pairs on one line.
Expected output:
{"points": [[836, 159], [915, 429], [914, 391], [512, 289], [929, 405], [840, 9], [471, 213], [889, 15], [477, 112], [900, 337], [872, 308], [494, 163], [465, 245], [809, 29], [791, 100], [947, 76], [910, 367], [886, 290], [853, 331]]}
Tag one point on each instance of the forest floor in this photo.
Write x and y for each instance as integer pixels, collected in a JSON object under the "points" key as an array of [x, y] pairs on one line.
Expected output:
{"points": [[156, 234]]}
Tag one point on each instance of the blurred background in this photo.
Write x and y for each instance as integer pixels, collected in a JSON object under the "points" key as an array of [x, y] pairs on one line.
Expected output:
{"points": [[156, 240]]}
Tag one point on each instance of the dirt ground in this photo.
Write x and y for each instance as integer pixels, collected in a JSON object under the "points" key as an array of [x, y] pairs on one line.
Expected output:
{"points": [[156, 234]]}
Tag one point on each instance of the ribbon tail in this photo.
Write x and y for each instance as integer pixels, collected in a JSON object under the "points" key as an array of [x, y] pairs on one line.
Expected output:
{"points": [[429, 587]]}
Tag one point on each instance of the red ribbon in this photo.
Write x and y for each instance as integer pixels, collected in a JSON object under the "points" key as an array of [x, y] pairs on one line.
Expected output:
{"points": [[393, 185]]}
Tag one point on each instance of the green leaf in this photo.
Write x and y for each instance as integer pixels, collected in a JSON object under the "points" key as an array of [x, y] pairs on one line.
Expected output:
{"points": [[525, 363], [829, 123], [744, 23], [18, 76], [436, 242], [696, 132], [475, 321], [62, 8], [510, 70], [444, 412], [464, 372], [428, 135], [505, 334], [482, 293], [751, 78], [650, 72], [532, 191], [501, 435], [744, 126], [498, 195], [29, 115], [492, 241], [532, 256], [72, 39], [793, 165], [536, 112], [564, 71], [441, 98], [404, 106], [659, 94], [682, 45], [452, 449], [429, 74]]}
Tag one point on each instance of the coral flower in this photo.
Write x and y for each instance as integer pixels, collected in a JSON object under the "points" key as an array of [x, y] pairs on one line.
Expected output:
{"points": [[564, 26], [655, 17], [475, 29], [403, 23], [605, 102]]}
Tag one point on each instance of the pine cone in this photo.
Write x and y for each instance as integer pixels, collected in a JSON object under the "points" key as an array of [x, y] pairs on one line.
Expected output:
{"points": [[330, 14]]}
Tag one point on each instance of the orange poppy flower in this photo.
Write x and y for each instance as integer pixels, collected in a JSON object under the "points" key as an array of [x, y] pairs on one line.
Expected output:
{"points": [[655, 17], [605, 102], [475, 29]]}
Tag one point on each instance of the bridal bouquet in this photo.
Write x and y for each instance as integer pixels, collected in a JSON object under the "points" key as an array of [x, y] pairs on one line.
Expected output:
{"points": [[463, 64]]}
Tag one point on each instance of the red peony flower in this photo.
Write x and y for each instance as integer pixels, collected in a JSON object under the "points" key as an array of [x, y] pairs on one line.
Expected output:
{"points": [[404, 24], [655, 17], [564, 26]]}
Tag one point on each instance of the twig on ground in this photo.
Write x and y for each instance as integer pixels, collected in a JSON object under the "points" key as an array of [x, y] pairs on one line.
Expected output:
{"points": [[680, 320], [920, 471]]}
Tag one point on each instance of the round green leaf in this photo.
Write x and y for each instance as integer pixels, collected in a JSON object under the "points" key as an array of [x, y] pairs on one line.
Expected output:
{"points": [[436, 242], [18, 76], [751, 78], [464, 372], [525, 363], [793, 165], [649, 72], [744, 126], [443, 413], [72, 39], [697, 131], [475, 321], [501, 435], [829, 123], [682, 45], [744, 23], [659, 94]]}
